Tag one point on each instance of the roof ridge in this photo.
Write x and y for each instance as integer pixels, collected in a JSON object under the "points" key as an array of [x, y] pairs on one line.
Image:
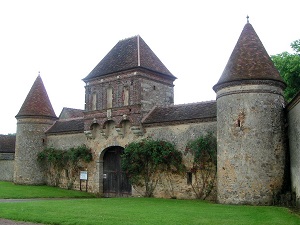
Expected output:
{"points": [[73, 108], [125, 39], [69, 119], [185, 104]]}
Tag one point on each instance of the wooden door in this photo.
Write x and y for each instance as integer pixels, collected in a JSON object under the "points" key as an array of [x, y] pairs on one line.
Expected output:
{"points": [[115, 181]]}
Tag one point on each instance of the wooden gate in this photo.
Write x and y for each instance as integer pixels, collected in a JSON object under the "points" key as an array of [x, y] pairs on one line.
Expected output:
{"points": [[115, 182]]}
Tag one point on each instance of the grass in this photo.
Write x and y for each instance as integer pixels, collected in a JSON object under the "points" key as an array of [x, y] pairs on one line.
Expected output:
{"points": [[141, 211], [10, 190]]}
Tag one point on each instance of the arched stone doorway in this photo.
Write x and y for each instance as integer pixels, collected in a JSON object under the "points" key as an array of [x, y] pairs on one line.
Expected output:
{"points": [[115, 181]]}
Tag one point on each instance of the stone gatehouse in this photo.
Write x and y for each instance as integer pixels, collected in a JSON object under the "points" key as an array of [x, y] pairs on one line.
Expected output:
{"points": [[129, 96]]}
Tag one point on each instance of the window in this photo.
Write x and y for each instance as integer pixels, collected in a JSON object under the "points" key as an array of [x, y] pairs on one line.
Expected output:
{"points": [[94, 101], [125, 96], [109, 97], [189, 179]]}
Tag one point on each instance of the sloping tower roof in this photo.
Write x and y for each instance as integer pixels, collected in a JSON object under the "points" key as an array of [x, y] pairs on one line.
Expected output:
{"points": [[249, 61], [128, 54], [37, 102]]}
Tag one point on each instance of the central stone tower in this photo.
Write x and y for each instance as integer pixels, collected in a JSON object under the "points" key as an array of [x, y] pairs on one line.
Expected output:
{"points": [[125, 85], [250, 124]]}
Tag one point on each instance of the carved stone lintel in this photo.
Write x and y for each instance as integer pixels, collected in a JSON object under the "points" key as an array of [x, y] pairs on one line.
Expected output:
{"points": [[120, 131], [103, 133], [94, 120], [88, 134], [137, 130]]}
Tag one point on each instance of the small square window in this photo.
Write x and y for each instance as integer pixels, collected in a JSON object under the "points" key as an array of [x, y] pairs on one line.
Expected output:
{"points": [[189, 177]]}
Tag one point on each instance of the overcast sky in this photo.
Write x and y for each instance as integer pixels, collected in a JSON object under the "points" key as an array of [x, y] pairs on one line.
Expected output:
{"points": [[65, 40]]}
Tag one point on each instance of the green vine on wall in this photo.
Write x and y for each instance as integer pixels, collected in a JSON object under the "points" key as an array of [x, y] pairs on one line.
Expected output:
{"points": [[144, 161], [204, 167], [55, 161]]}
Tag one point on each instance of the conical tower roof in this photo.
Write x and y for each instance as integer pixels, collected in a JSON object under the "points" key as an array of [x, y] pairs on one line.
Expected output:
{"points": [[37, 102], [249, 61], [128, 54]]}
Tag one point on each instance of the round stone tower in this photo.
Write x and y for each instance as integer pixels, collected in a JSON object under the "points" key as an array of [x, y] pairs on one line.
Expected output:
{"points": [[34, 118], [251, 140]]}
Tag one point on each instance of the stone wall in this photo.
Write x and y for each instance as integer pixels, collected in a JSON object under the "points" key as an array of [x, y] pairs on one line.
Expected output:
{"points": [[7, 166], [168, 186], [155, 93], [179, 134], [66, 141], [294, 144]]}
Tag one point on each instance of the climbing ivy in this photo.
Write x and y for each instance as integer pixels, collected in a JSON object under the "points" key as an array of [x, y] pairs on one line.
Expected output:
{"points": [[204, 166], [145, 160], [55, 161]]}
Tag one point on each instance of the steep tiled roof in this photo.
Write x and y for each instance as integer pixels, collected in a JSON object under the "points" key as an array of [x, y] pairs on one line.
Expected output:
{"points": [[294, 102], [37, 102], [128, 54], [67, 126], [249, 61], [7, 143], [68, 113], [185, 112]]}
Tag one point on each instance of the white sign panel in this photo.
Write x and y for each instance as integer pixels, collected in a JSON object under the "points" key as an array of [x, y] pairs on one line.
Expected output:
{"points": [[83, 175]]}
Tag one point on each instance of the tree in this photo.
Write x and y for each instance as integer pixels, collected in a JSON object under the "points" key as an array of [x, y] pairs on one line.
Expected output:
{"points": [[288, 66], [144, 161], [204, 167]]}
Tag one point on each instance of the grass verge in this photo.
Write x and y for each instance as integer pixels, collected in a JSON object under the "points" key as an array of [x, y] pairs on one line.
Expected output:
{"points": [[10, 190]]}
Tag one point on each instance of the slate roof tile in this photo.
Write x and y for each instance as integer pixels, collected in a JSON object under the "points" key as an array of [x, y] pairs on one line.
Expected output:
{"points": [[249, 61], [67, 126], [37, 102], [128, 54], [7, 143], [68, 113], [184, 112]]}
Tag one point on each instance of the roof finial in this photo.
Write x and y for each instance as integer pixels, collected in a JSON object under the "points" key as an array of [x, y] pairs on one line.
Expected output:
{"points": [[39, 73], [247, 19]]}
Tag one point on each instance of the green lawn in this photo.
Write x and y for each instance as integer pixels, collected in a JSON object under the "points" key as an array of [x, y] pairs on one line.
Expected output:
{"points": [[142, 211], [10, 190]]}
